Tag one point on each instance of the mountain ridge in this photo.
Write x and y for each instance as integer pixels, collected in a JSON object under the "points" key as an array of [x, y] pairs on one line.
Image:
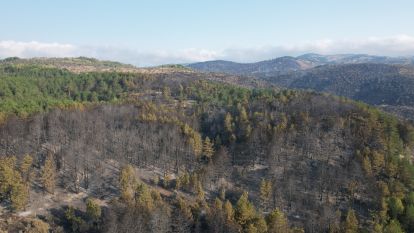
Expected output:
{"points": [[286, 64]]}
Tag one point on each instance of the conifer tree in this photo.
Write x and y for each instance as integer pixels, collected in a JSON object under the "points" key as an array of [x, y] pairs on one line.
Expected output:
{"points": [[245, 210], [228, 123], [409, 217], [25, 167], [208, 149], [38, 226], [277, 222], [260, 225], [228, 211], [196, 143], [377, 162], [393, 227], [93, 210], [366, 165], [218, 204], [48, 176], [12, 186], [229, 128], [143, 197], [7, 175], [396, 206], [200, 192], [127, 182], [251, 228], [244, 124], [265, 193], [19, 195], [351, 222]]}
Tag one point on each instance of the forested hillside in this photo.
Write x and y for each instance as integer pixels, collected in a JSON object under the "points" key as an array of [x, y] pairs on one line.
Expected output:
{"points": [[372, 83], [388, 86], [181, 151], [386, 82]]}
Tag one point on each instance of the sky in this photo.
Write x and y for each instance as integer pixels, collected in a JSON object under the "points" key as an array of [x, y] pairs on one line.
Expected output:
{"points": [[154, 32]]}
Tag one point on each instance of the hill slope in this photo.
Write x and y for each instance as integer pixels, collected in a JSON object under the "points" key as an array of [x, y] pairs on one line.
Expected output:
{"points": [[371, 83], [181, 152], [375, 80]]}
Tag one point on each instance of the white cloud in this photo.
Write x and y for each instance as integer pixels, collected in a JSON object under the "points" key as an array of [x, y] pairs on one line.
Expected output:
{"points": [[400, 45], [35, 49]]}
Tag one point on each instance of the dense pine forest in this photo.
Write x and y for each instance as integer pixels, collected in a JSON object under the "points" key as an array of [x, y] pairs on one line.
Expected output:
{"points": [[118, 149]]}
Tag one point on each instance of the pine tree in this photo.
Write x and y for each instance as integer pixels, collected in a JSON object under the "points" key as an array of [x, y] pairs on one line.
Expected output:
{"points": [[185, 180], [182, 217], [265, 193], [143, 197], [218, 204], [244, 124], [251, 228], [229, 211], [127, 182], [12, 186], [393, 227], [396, 206], [229, 128], [7, 175], [19, 195], [38, 226], [200, 192], [228, 123], [351, 222], [25, 167], [184, 208], [48, 176], [208, 149], [377, 162], [245, 210], [366, 165], [196, 143], [93, 210], [261, 225], [76, 222], [277, 222], [409, 216]]}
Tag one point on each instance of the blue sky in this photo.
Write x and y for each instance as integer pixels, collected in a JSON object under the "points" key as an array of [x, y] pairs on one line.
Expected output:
{"points": [[155, 32]]}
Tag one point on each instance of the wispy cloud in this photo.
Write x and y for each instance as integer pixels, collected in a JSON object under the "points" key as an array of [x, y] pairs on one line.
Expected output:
{"points": [[400, 45]]}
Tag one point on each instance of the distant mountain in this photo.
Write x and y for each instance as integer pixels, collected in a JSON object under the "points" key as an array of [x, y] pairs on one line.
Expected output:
{"points": [[283, 65], [269, 67], [389, 86], [372, 83], [378, 80]]}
